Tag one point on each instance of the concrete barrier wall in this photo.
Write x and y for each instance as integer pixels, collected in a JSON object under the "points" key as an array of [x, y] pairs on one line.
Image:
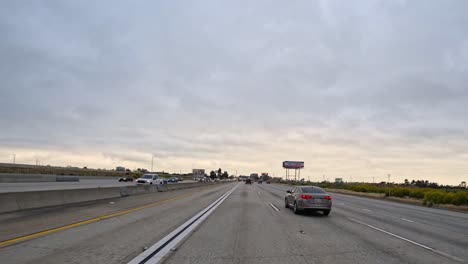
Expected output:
{"points": [[10, 202], [67, 178], [19, 177], [13, 177]]}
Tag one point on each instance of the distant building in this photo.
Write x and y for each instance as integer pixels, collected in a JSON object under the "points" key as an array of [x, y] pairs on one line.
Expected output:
{"points": [[338, 180], [254, 176], [198, 172], [119, 168]]}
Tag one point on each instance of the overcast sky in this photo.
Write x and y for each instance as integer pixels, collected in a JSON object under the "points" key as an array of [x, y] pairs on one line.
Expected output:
{"points": [[356, 89]]}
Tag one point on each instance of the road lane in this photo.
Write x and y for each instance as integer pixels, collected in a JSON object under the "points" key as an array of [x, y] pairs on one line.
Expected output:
{"points": [[441, 236], [246, 229], [241, 230], [113, 240]]}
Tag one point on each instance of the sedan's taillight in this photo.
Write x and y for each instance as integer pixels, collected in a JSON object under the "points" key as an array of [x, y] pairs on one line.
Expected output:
{"points": [[305, 196], [328, 197]]}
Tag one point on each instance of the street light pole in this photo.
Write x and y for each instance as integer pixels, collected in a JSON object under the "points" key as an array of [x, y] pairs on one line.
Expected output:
{"points": [[14, 158]]}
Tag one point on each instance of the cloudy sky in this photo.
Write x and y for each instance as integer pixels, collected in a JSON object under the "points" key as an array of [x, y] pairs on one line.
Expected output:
{"points": [[356, 89]]}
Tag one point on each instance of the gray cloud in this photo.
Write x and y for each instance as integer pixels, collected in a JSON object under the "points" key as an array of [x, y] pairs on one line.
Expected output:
{"points": [[240, 82]]}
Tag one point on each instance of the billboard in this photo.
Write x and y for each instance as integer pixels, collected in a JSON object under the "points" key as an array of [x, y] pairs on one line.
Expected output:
{"points": [[293, 164], [200, 172]]}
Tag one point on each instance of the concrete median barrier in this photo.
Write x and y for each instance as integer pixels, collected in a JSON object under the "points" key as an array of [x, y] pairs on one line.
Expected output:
{"points": [[8, 203], [15, 201], [13, 177], [67, 178]]}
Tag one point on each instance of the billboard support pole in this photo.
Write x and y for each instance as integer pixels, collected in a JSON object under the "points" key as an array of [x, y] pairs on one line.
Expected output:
{"points": [[296, 165]]}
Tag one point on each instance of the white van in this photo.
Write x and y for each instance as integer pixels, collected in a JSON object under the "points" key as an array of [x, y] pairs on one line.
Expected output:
{"points": [[151, 179]]}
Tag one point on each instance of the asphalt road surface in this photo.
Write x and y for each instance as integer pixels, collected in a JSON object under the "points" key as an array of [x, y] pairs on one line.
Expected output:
{"points": [[250, 225]]}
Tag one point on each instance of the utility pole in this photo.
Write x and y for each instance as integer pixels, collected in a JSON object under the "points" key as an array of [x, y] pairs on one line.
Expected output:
{"points": [[152, 161], [373, 179], [388, 184], [14, 158]]}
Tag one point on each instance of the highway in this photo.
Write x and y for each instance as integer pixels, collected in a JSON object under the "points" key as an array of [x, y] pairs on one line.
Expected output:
{"points": [[242, 224], [84, 183]]}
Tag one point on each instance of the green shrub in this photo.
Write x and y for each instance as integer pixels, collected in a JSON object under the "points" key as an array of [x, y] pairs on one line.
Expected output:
{"points": [[448, 198], [400, 192], [460, 198], [435, 196], [416, 193]]}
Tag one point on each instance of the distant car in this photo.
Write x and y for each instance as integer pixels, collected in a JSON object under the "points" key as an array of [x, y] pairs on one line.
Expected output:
{"points": [[151, 179], [268, 182], [181, 179], [260, 182], [173, 180], [126, 179], [248, 181], [310, 198]]}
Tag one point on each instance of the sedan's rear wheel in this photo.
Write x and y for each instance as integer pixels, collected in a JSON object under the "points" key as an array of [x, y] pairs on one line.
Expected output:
{"points": [[286, 204], [295, 210], [326, 212]]}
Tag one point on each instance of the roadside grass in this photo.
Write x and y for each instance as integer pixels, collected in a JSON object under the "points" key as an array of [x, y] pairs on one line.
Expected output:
{"points": [[406, 200], [454, 198]]}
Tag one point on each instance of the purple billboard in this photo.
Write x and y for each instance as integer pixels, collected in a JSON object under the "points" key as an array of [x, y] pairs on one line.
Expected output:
{"points": [[293, 164]]}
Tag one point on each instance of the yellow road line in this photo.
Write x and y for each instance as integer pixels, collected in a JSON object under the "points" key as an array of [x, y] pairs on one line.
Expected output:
{"points": [[87, 221]]}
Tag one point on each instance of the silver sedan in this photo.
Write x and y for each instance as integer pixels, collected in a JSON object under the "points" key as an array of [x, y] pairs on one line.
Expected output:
{"points": [[311, 198]]}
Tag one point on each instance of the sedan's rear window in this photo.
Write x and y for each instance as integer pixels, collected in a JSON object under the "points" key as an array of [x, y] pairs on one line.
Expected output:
{"points": [[312, 190]]}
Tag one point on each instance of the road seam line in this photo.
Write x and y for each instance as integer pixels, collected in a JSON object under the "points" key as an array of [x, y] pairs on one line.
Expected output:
{"points": [[410, 241]]}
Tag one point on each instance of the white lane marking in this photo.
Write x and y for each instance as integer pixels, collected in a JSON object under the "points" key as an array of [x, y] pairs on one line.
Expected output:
{"points": [[156, 253], [259, 193], [367, 210], [410, 241], [341, 203], [274, 207], [407, 220]]}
